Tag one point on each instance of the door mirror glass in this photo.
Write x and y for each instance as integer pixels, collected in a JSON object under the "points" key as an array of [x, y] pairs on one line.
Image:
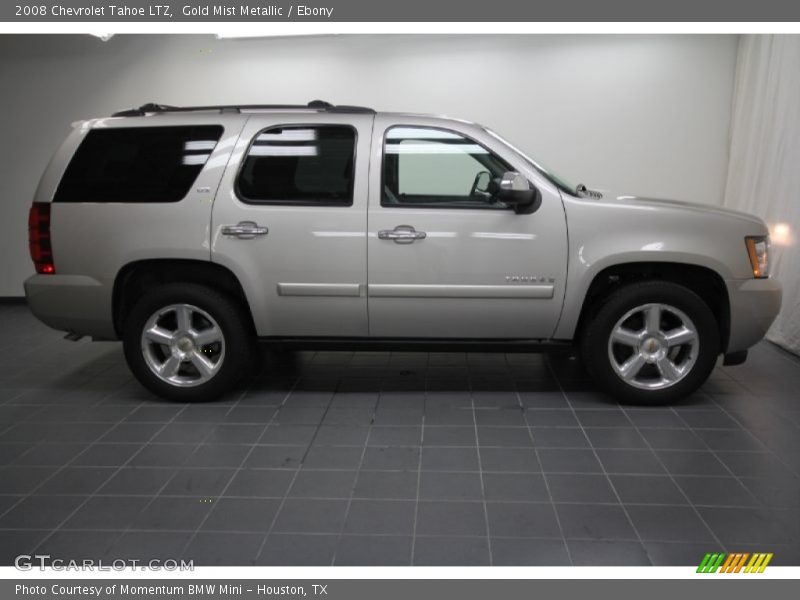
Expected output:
{"points": [[481, 184]]}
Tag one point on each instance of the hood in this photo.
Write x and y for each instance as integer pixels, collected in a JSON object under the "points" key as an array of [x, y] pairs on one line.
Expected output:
{"points": [[707, 209]]}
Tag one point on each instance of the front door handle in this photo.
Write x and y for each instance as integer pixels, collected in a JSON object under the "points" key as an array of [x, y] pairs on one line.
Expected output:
{"points": [[402, 234], [245, 230]]}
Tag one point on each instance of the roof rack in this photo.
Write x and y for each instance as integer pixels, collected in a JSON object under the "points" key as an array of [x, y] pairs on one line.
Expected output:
{"points": [[319, 105]]}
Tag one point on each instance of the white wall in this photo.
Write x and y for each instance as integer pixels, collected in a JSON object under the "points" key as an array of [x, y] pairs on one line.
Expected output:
{"points": [[646, 115]]}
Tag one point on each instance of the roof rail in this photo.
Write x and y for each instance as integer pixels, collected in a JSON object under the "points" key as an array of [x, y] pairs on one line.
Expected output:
{"points": [[319, 105]]}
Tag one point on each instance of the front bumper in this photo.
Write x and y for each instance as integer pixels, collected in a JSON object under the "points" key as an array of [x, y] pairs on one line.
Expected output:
{"points": [[73, 303], [754, 305]]}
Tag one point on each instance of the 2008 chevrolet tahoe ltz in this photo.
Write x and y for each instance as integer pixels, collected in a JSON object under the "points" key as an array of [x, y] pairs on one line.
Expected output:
{"points": [[191, 233]]}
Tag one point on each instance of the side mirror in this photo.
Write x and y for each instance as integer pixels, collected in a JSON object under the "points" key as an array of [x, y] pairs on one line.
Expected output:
{"points": [[516, 191]]}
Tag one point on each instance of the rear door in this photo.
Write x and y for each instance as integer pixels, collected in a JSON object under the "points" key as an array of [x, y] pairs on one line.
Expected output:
{"points": [[445, 259], [290, 221]]}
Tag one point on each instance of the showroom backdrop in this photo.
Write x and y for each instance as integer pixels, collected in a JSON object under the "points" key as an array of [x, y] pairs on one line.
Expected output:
{"points": [[648, 115]]}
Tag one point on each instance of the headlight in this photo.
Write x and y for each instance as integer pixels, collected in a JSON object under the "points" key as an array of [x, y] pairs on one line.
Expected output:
{"points": [[758, 251]]}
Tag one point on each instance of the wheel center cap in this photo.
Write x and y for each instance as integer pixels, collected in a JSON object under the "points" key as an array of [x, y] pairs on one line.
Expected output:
{"points": [[652, 349], [651, 345], [185, 344]]}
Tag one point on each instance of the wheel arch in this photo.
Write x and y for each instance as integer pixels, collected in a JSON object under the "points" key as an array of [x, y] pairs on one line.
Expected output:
{"points": [[705, 282], [135, 277]]}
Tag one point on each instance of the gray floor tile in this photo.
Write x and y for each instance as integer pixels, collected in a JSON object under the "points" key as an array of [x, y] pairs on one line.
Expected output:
{"points": [[669, 524], [76, 480], [40, 512], [647, 489], [444, 551], [450, 436], [520, 460], [525, 552], [691, 462], [374, 550], [272, 483], [595, 522], [198, 482], [450, 459], [451, 518], [517, 437], [390, 458], [224, 549], [520, 487], [16, 542], [716, 491], [323, 484], [565, 460], [559, 437], [580, 488], [149, 545], [677, 554], [78, 545], [393, 485], [605, 553], [311, 516], [519, 519], [241, 514], [481, 419], [280, 457], [298, 550], [641, 462], [387, 517], [450, 486], [107, 512], [180, 514]]}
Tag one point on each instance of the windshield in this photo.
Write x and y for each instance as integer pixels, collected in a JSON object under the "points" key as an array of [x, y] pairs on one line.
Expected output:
{"points": [[555, 179]]}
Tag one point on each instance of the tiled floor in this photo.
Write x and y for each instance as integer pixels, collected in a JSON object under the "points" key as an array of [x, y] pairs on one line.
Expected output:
{"points": [[391, 458]]}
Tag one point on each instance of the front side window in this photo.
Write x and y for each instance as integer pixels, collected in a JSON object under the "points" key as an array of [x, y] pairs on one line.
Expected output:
{"points": [[436, 168], [300, 165], [137, 164]]}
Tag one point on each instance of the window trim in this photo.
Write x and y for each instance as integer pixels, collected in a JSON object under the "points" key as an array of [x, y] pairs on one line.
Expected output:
{"points": [[428, 207], [325, 203], [133, 128]]}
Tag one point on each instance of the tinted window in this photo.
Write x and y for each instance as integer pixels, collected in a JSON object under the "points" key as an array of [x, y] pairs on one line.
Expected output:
{"points": [[426, 167], [300, 165], [142, 164]]}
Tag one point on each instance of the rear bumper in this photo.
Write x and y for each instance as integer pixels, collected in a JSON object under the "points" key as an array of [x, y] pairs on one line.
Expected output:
{"points": [[74, 303], [754, 305]]}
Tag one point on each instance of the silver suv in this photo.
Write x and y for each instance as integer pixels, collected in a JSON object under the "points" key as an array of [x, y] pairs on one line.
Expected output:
{"points": [[192, 233]]}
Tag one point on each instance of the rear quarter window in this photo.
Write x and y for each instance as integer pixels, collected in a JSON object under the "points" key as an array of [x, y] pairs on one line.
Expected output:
{"points": [[137, 164]]}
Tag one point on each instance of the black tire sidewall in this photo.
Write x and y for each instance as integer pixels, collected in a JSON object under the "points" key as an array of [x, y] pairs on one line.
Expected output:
{"points": [[224, 310], [594, 343]]}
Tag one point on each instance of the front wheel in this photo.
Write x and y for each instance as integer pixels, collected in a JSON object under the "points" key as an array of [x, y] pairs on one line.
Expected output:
{"points": [[651, 343], [187, 342]]}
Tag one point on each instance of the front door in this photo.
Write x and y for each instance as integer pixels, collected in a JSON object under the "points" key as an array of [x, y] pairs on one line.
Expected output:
{"points": [[290, 222], [445, 258]]}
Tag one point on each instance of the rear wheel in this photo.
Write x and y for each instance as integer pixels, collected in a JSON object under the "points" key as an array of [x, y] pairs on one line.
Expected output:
{"points": [[187, 342], [651, 343]]}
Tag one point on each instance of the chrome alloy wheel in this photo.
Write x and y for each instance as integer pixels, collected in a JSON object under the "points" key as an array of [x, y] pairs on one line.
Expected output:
{"points": [[653, 346], [183, 345]]}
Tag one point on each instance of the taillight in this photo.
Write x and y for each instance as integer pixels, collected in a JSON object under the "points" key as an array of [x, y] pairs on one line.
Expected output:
{"points": [[39, 238]]}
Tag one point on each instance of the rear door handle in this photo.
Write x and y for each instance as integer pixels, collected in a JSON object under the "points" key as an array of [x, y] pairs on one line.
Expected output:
{"points": [[402, 234], [245, 230]]}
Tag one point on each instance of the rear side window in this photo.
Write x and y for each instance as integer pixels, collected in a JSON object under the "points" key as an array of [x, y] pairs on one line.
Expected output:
{"points": [[137, 164], [306, 165]]}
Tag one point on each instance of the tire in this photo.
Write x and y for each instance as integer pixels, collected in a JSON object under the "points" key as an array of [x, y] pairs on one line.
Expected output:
{"points": [[213, 360], [634, 366]]}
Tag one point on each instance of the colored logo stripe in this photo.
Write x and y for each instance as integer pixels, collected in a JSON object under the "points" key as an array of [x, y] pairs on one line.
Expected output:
{"points": [[734, 562]]}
